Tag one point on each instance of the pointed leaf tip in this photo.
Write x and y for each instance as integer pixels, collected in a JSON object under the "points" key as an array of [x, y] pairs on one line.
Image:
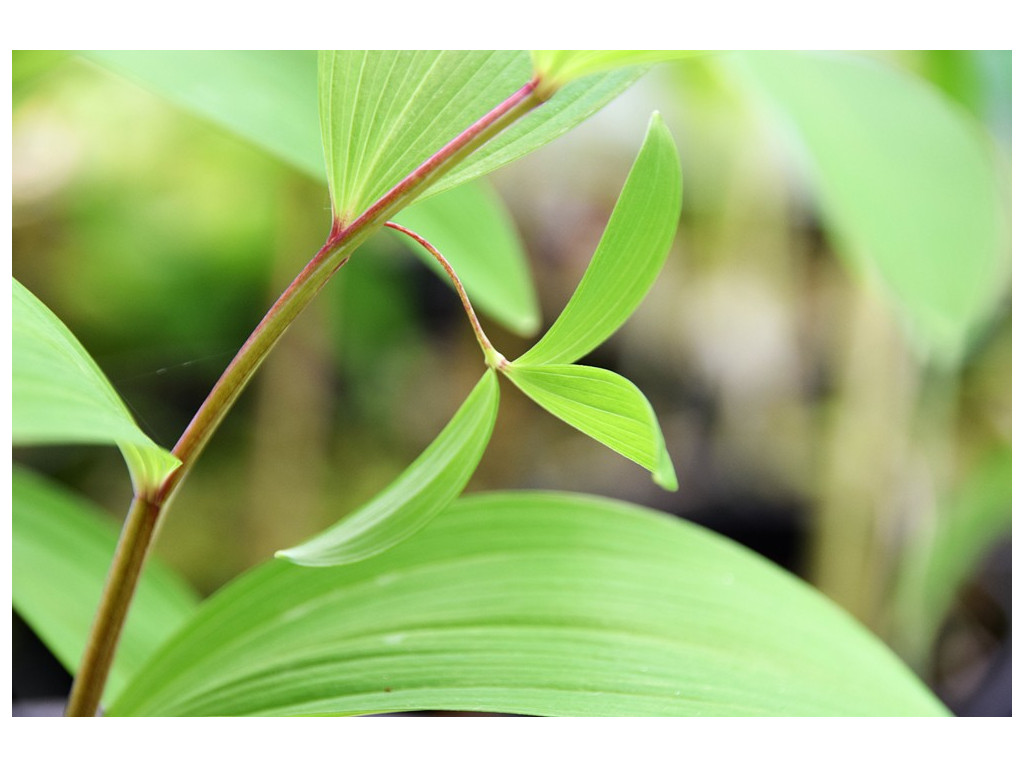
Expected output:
{"points": [[426, 487], [603, 405], [60, 395], [628, 258]]}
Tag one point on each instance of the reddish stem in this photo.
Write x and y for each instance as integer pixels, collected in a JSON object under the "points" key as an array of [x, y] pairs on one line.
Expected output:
{"points": [[494, 357]]}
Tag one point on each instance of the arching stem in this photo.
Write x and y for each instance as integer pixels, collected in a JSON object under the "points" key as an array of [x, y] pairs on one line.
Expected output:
{"points": [[493, 357]]}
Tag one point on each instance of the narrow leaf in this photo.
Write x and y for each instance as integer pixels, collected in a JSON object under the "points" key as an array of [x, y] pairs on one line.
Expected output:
{"points": [[428, 485], [908, 183], [540, 604], [267, 97], [470, 226], [556, 68], [62, 547], [61, 396], [629, 256], [603, 405]]}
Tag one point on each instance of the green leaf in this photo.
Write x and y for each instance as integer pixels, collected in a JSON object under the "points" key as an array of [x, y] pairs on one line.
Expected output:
{"points": [[470, 226], [428, 485], [267, 97], [556, 68], [270, 98], [603, 405], [938, 561], [61, 396], [629, 256], [62, 547], [908, 184], [542, 604], [570, 106], [383, 113]]}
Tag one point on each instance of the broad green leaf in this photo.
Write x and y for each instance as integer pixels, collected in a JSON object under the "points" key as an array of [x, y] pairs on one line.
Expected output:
{"points": [[270, 98], [908, 184], [62, 546], [61, 396], [556, 68], [470, 226], [267, 97], [629, 256], [383, 113], [603, 405], [428, 485], [938, 561], [531, 603]]}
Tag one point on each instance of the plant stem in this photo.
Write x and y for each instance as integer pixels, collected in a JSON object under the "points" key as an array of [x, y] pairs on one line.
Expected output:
{"points": [[141, 522], [117, 593], [493, 357]]}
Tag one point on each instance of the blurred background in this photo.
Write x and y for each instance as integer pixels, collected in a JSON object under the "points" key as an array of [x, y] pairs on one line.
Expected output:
{"points": [[801, 419]]}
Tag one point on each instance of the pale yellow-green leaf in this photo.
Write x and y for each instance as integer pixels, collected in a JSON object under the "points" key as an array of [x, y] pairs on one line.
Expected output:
{"points": [[603, 405], [426, 487], [529, 603], [628, 258]]}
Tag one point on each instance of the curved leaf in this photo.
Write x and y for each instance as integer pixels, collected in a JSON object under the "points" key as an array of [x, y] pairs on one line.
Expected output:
{"points": [[628, 258], [543, 604], [62, 547], [603, 405], [426, 487], [908, 184], [470, 226], [61, 396]]}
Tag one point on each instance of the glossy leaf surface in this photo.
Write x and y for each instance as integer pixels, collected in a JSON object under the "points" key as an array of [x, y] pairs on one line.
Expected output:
{"points": [[603, 405], [543, 604], [61, 396], [471, 228], [908, 184], [428, 485], [62, 547], [628, 258]]}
